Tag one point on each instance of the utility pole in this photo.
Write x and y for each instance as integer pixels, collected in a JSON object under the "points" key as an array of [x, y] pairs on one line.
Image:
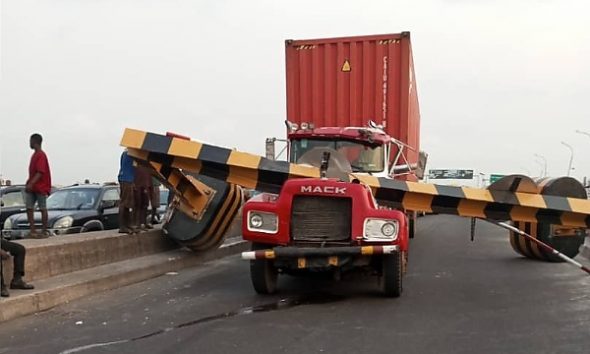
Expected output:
{"points": [[569, 168], [588, 135], [544, 174]]}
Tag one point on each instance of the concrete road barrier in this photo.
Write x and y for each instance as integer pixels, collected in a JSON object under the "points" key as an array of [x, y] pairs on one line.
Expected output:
{"points": [[64, 268], [69, 253]]}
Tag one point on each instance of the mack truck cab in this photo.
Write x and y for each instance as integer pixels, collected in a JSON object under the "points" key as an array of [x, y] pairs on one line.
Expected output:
{"points": [[329, 224], [336, 88]]}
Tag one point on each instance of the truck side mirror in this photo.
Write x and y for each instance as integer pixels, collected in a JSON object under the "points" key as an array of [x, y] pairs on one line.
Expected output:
{"points": [[270, 148], [421, 168]]}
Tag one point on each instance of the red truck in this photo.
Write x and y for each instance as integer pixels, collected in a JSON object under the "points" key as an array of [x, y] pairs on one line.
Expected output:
{"points": [[352, 107]]}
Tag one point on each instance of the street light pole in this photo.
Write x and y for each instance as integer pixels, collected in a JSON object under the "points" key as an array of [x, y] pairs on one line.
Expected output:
{"points": [[544, 164], [569, 169], [526, 170], [588, 135], [542, 168]]}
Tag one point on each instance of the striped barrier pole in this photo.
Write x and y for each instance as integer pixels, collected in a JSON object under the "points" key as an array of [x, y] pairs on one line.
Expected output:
{"points": [[508, 200], [542, 244]]}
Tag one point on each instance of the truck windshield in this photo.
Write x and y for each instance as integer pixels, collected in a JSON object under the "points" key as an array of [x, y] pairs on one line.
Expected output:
{"points": [[362, 158]]}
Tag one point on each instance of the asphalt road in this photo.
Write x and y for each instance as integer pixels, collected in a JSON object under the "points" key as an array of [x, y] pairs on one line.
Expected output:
{"points": [[459, 297]]}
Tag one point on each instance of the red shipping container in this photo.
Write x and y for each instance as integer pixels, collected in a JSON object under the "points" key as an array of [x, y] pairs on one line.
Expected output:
{"points": [[344, 82]]}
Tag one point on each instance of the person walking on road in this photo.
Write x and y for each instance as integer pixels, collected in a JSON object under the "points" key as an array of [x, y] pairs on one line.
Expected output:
{"points": [[127, 207], [38, 187], [18, 251]]}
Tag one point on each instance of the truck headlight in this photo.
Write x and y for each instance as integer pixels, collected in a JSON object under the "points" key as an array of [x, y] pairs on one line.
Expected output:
{"points": [[63, 223], [7, 224], [380, 230], [261, 221], [256, 221], [388, 229]]}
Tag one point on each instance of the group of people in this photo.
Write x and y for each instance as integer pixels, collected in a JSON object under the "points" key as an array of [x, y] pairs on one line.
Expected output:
{"points": [[37, 190], [138, 190]]}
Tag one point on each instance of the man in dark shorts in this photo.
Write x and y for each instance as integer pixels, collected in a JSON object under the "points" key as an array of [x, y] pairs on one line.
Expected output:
{"points": [[17, 251], [143, 191], [38, 186], [127, 209]]}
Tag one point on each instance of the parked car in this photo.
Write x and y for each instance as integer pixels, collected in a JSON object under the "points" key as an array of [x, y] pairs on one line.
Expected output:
{"points": [[79, 208], [12, 201], [161, 211]]}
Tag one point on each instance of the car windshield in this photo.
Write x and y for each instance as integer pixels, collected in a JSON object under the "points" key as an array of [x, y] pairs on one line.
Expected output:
{"points": [[12, 199], [73, 199], [362, 158]]}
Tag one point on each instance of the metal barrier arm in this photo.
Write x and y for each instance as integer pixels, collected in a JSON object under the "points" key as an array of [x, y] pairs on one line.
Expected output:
{"points": [[252, 171], [246, 170], [481, 203]]}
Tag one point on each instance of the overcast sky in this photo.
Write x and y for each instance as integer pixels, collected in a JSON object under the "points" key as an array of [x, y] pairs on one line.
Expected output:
{"points": [[498, 81]]}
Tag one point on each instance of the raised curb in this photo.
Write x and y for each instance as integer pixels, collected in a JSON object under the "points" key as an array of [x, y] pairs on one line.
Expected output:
{"points": [[61, 289], [69, 253]]}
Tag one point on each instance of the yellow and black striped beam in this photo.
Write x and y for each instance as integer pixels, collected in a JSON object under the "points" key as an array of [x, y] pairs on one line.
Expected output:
{"points": [[246, 170], [252, 171], [481, 203]]}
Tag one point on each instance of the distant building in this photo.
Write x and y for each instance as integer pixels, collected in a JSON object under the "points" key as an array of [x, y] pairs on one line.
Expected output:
{"points": [[5, 182]]}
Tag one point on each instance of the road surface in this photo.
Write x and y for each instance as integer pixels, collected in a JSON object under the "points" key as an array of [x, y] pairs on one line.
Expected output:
{"points": [[459, 297]]}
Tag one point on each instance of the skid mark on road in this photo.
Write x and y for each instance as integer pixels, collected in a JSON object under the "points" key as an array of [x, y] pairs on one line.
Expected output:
{"points": [[283, 304]]}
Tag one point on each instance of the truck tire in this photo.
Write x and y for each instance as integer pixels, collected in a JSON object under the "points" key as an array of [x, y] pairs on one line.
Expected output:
{"points": [[568, 245], [391, 274], [566, 241], [263, 274]]}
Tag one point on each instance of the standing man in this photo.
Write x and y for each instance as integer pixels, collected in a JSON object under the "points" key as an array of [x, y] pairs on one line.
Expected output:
{"points": [[127, 208], [38, 186], [17, 251], [143, 191]]}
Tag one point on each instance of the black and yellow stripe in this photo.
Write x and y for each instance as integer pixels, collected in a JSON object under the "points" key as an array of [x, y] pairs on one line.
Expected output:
{"points": [[206, 231], [482, 203], [565, 239], [214, 235], [259, 173], [246, 170]]}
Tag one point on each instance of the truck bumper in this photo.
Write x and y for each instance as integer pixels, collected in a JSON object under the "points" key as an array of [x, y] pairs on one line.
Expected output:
{"points": [[300, 252]]}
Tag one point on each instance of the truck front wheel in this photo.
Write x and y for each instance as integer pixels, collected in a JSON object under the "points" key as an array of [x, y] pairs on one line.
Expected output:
{"points": [[391, 274], [263, 273]]}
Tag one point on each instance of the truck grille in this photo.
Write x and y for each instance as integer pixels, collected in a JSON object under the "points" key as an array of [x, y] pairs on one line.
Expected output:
{"points": [[321, 219]]}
